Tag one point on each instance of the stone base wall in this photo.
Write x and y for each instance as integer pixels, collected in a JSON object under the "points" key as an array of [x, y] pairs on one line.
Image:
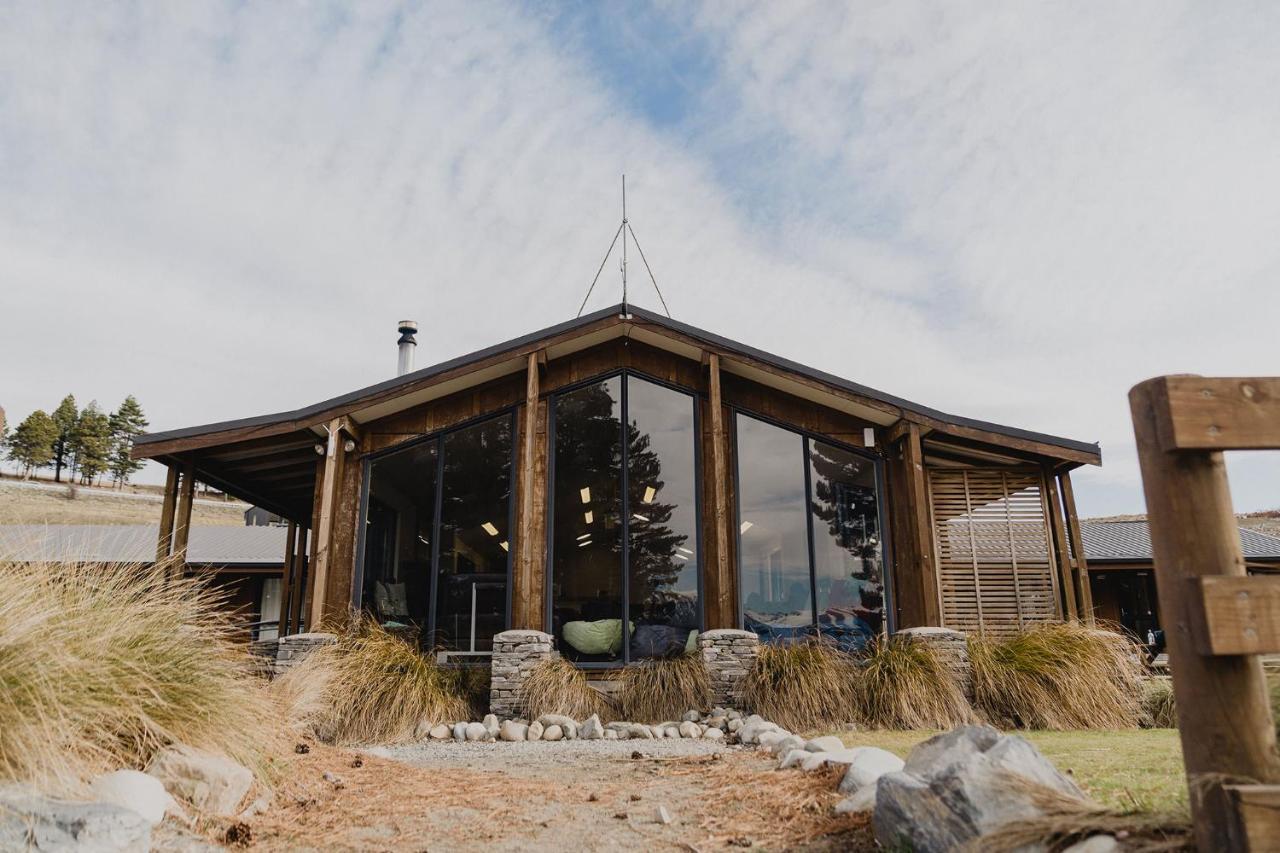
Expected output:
{"points": [[952, 649], [515, 654], [728, 655], [292, 650]]}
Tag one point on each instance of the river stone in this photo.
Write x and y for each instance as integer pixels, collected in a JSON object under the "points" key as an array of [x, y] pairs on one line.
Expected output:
{"points": [[476, 731], [768, 739], [591, 728], [512, 731], [491, 726], [752, 729], [133, 789], [30, 821], [460, 731], [712, 733], [866, 768], [960, 785], [534, 731], [690, 729], [786, 744], [830, 743], [568, 726], [611, 734], [735, 724], [552, 732], [718, 721], [793, 759], [691, 716], [440, 732], [212, 783], [822, 759], [1096, 844], [863, 801]]}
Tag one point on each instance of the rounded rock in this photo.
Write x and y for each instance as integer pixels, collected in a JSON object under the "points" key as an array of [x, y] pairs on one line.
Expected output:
{"points": [[691, 716], [476, 731], [713, 733], [534, 731], [690, 729], [552, 732], [440, 732]]}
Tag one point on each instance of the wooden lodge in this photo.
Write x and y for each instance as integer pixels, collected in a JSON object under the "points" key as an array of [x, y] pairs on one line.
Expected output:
{"points": [[627, 469]]}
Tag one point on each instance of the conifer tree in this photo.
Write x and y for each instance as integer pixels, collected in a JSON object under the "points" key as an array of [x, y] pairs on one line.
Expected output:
{"points": [[91, 443], [31, 444], [64, 419], [126, 422]]}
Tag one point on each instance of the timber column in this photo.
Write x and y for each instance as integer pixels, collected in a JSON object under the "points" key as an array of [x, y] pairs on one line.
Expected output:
{"points": [[343, 436]]}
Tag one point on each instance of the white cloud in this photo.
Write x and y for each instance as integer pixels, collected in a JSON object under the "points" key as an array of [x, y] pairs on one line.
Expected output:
{"points": [[1008, 212]]}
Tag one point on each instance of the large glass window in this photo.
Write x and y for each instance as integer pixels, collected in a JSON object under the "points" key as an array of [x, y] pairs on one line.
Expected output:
{"points": [[437, 537], [810, 552], [624, 522]]}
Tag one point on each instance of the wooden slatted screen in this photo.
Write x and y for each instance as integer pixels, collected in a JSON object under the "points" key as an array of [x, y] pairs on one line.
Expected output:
{"points": [[995, 558]]}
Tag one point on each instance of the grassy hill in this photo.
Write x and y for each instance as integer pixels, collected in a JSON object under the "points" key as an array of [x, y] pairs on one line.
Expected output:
{"points": [[39, 502]]}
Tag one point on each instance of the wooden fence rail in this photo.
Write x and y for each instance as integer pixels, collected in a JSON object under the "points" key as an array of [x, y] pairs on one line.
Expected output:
{"points": [[1217, 619]]}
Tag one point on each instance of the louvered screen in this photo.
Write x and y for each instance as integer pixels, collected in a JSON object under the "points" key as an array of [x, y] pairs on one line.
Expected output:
{"points": [[995, 561]]}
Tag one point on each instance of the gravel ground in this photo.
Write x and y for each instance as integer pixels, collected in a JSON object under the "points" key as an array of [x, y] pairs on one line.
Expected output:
{"points": [[536, 757]]}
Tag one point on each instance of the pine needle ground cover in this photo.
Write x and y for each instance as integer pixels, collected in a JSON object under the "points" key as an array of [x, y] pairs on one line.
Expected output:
{"points": [[101, 665]]}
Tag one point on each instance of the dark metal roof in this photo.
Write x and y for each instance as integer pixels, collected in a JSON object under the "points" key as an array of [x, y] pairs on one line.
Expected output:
{"points": [[1125, 541], [710, 338], [219, 546]]}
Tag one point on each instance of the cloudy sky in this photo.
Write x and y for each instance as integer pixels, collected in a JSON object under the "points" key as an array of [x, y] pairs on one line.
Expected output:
{"points": [[1008, 211]]}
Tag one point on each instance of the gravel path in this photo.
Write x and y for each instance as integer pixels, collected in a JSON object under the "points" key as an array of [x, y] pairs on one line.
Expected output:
{"points": [[537, 757]]}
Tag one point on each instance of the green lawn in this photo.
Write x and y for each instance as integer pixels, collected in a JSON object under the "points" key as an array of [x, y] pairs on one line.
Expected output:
{"points": [[1139, 769]]}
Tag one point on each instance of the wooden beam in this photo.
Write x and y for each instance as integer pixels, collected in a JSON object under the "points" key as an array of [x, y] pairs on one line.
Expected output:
{"points": [[1224, 719], [323, 550], [522, 610], [164, 539], [182, 529], [286, 577], [1084, 593], [1060, 544], [1199, 413], [921, 530], [1236, 615], [899, 430], [1257, 817], [724, 607], [301, 583]]}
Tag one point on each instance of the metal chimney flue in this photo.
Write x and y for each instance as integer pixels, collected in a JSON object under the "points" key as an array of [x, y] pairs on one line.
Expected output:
{"points": [[407, 345]]}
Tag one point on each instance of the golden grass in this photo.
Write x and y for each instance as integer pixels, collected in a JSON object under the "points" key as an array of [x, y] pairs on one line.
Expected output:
{"points": [[654, 691], [1158, 709], [556, 686], [902, 685], [102, 665], [801, 686], [1057, 676], [372, 686]]}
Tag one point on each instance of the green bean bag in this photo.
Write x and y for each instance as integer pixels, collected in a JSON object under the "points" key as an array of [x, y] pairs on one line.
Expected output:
{"points": [[602, 637]]}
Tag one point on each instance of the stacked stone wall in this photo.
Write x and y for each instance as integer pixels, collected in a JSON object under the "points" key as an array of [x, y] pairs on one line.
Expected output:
{"points": [[952, 650], [515, 654], [728, 655]]}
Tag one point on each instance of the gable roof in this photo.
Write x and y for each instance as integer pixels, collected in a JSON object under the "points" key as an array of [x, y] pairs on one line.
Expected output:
{"points": [[214, 546], [1130, 541], [382, 398]]}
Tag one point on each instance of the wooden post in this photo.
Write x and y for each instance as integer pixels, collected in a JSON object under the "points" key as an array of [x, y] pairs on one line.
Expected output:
{"points": [[164, 541], [523, 583], [298, 597], [182, 531], [323, 547], [921, 531], [723, 612], [286, 577], [1060, 543], [1084, 592], [1224, 719]]}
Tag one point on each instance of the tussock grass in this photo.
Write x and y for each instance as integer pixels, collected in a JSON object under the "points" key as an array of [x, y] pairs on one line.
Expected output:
{"points": [[372, 686], [1158, 708], [902, 685], [802, 686], [654, 691], [101, 665], [556, 686], [1057, 676]]}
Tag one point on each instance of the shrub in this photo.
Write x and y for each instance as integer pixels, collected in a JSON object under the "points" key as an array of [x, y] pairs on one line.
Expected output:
{"points": [[372, 686], [663, 689], [801, 686], [1057, 676], [902, 685], [556, 686], [1158, 708], [101, 665]]}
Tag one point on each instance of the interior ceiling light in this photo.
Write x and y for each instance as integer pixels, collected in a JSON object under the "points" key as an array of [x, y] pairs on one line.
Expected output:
{"points": [[584, 536], [585, 492], [505, 545], [588, 517], [584, 543], [683, 550], [649, 493], [638, 517], [746, 525], [681, 557], [489, 528]]}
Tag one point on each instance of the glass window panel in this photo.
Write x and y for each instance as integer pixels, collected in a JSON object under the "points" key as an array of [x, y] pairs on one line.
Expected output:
{"points": [[586, 603], [847, 545], [773, 551], [662, 552], [398, 537], [475, 536]]}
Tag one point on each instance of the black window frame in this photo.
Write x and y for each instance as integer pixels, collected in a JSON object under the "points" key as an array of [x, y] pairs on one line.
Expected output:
{"points": [[882, 519], [437, 437], [696, 397]]}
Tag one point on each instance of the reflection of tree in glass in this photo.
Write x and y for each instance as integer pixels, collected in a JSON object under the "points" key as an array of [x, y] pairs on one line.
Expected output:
{"points": [[477, 477], [847, 507], [655, 566]]}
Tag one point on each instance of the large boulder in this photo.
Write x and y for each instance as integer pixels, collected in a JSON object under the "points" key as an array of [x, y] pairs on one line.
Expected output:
{"points": [[29, 821], [213, 784], [136, 791], [957, 786]]}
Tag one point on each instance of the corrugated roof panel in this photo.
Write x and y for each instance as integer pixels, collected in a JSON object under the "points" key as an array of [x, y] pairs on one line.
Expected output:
{"points": [[1131, 540]]}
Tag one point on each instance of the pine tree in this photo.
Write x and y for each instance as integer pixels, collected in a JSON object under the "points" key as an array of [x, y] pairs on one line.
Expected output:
{"points": [[125, 422], [91, 443], [31, 444], [64, 418]]}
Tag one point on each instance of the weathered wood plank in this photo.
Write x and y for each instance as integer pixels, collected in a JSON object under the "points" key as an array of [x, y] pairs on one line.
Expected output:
{"points": [[522, 612], [1237, 615], [723, 608], [286, 577], [1200, 413], [164, 538], [323, 551], [1060, 545], [1257, 813], [1081, 564], [182, 524]]}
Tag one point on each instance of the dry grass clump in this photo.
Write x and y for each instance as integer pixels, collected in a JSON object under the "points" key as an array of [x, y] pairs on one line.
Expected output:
{"points": [[556, 686], [101, 665], [372, 686], [663, 689], [1057, 676], [902, 685], [802, 686], [1158, 708]]}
